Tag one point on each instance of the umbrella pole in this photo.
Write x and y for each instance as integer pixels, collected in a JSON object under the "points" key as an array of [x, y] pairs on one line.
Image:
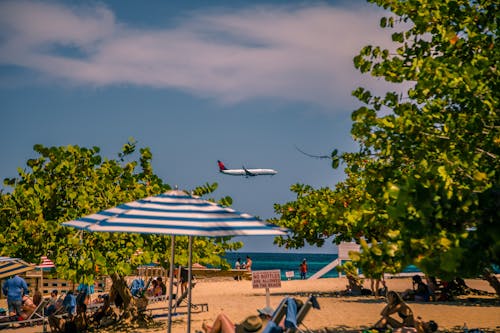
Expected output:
{"points": [[43, 294], [171, 284], [190, 273]]}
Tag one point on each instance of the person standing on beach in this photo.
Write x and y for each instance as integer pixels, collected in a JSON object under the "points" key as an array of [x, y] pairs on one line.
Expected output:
{"points": [[15, 288], [303, 269], [248, 265], [237, 265]]}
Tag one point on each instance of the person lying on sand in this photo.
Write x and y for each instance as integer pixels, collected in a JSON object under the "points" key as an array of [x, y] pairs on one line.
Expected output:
{"points": [[253, 323], [420, 327]]}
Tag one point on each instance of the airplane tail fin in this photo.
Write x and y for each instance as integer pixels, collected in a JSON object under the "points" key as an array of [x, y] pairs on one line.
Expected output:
{"points": [[221, 165]]}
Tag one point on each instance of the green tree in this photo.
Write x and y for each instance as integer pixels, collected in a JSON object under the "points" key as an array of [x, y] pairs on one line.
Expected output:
{"points": [[423, 189], [65, 183]]}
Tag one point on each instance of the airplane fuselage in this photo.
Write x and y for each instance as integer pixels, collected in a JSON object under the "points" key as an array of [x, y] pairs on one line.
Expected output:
{"points": [[244, 171], [249, 172]]}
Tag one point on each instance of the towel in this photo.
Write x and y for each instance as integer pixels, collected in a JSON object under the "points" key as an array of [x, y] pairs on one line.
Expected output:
{"points": [[137, 287], [272, 327], [291, 313]]}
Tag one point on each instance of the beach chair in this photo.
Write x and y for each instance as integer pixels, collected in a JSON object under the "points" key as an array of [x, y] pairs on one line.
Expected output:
{"points": [[311, 302], [180, 302], [157, 299], [294, 313], [36, 317]]}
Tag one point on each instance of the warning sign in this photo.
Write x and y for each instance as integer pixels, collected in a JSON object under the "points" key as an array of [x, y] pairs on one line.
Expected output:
{"points": [[266, 279]]}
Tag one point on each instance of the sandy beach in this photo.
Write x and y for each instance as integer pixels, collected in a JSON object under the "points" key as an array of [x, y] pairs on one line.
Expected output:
{"points": [[349, 313]]}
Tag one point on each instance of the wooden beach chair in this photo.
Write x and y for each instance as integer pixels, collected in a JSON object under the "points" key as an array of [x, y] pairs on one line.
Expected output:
{"points": [[179, 303], [36, 317], [157, 299], [182, 302]]}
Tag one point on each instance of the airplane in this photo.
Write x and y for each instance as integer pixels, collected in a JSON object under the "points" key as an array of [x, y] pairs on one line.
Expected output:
{"points": [[245, 172]]}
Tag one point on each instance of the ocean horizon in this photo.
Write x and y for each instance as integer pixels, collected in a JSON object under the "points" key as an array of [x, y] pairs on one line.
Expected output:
{"points": [[285, 262], [289, 262]]}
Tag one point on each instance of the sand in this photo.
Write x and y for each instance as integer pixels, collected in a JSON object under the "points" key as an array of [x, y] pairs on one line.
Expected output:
{"points": [[238, 299]]}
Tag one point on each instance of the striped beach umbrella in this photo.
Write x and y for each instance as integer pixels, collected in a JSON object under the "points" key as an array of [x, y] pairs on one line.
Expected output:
{"points": [[46, 264], [12, 266], [176, 213]]}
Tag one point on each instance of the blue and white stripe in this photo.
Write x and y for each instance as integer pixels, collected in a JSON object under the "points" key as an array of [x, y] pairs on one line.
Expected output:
{"points": [[12, 266], [175, 213]]}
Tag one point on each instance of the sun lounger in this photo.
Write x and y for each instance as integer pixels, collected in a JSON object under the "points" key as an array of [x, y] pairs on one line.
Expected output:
{"points": [[311, 302], [156, 299], [36, 317], [180, 302], [293, 313]]}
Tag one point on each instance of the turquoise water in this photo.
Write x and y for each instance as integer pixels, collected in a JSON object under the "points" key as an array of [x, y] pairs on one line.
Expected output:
{"points": [[286, 262], [290, 262]]}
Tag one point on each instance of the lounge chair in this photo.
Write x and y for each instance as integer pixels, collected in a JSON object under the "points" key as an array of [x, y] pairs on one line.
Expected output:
{"points": [[179, 302], [293, 313], [311, 302], [156, 299], [200, 307], [36, 317]]}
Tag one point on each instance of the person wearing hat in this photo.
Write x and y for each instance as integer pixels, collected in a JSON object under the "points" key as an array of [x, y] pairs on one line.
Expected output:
{"points": [[251, 324]]}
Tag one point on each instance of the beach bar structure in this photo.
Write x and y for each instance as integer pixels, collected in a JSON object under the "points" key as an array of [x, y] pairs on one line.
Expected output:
{"points": [[49, 282], [343, 256]]}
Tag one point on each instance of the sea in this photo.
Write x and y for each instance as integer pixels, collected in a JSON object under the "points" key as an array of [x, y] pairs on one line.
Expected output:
{"points": [[285, 262], [289, 262]]}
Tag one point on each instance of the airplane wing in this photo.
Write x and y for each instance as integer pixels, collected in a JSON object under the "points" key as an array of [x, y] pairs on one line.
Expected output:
{"points": [[248, 173]]}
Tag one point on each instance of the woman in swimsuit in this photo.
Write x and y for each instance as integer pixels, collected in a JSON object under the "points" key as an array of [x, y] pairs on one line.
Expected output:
{"points": [[395, 305]]}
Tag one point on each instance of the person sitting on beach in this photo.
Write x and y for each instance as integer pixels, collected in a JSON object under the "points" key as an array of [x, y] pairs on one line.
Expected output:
{"points": [[421, 290], [383, 290], [152, 291], [37, 296], [253, 323], [69, 303], [54, 303], [28, 307], [162, 285], [137, 287], [355, 287], [395, 305]]}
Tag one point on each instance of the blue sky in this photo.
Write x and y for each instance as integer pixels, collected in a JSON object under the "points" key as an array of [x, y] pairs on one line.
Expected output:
{"points": [[196, 81]]}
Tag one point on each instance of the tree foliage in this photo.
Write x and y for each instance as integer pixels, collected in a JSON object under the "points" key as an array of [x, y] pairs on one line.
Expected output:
{"points": [[423, 188], [65, 183]]}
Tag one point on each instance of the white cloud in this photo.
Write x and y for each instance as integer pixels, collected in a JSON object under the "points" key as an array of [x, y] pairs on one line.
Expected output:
{"points": [[292, 53]]}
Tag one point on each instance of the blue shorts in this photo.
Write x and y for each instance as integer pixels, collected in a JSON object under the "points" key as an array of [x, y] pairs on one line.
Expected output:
{"points": [[15, 306]]}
